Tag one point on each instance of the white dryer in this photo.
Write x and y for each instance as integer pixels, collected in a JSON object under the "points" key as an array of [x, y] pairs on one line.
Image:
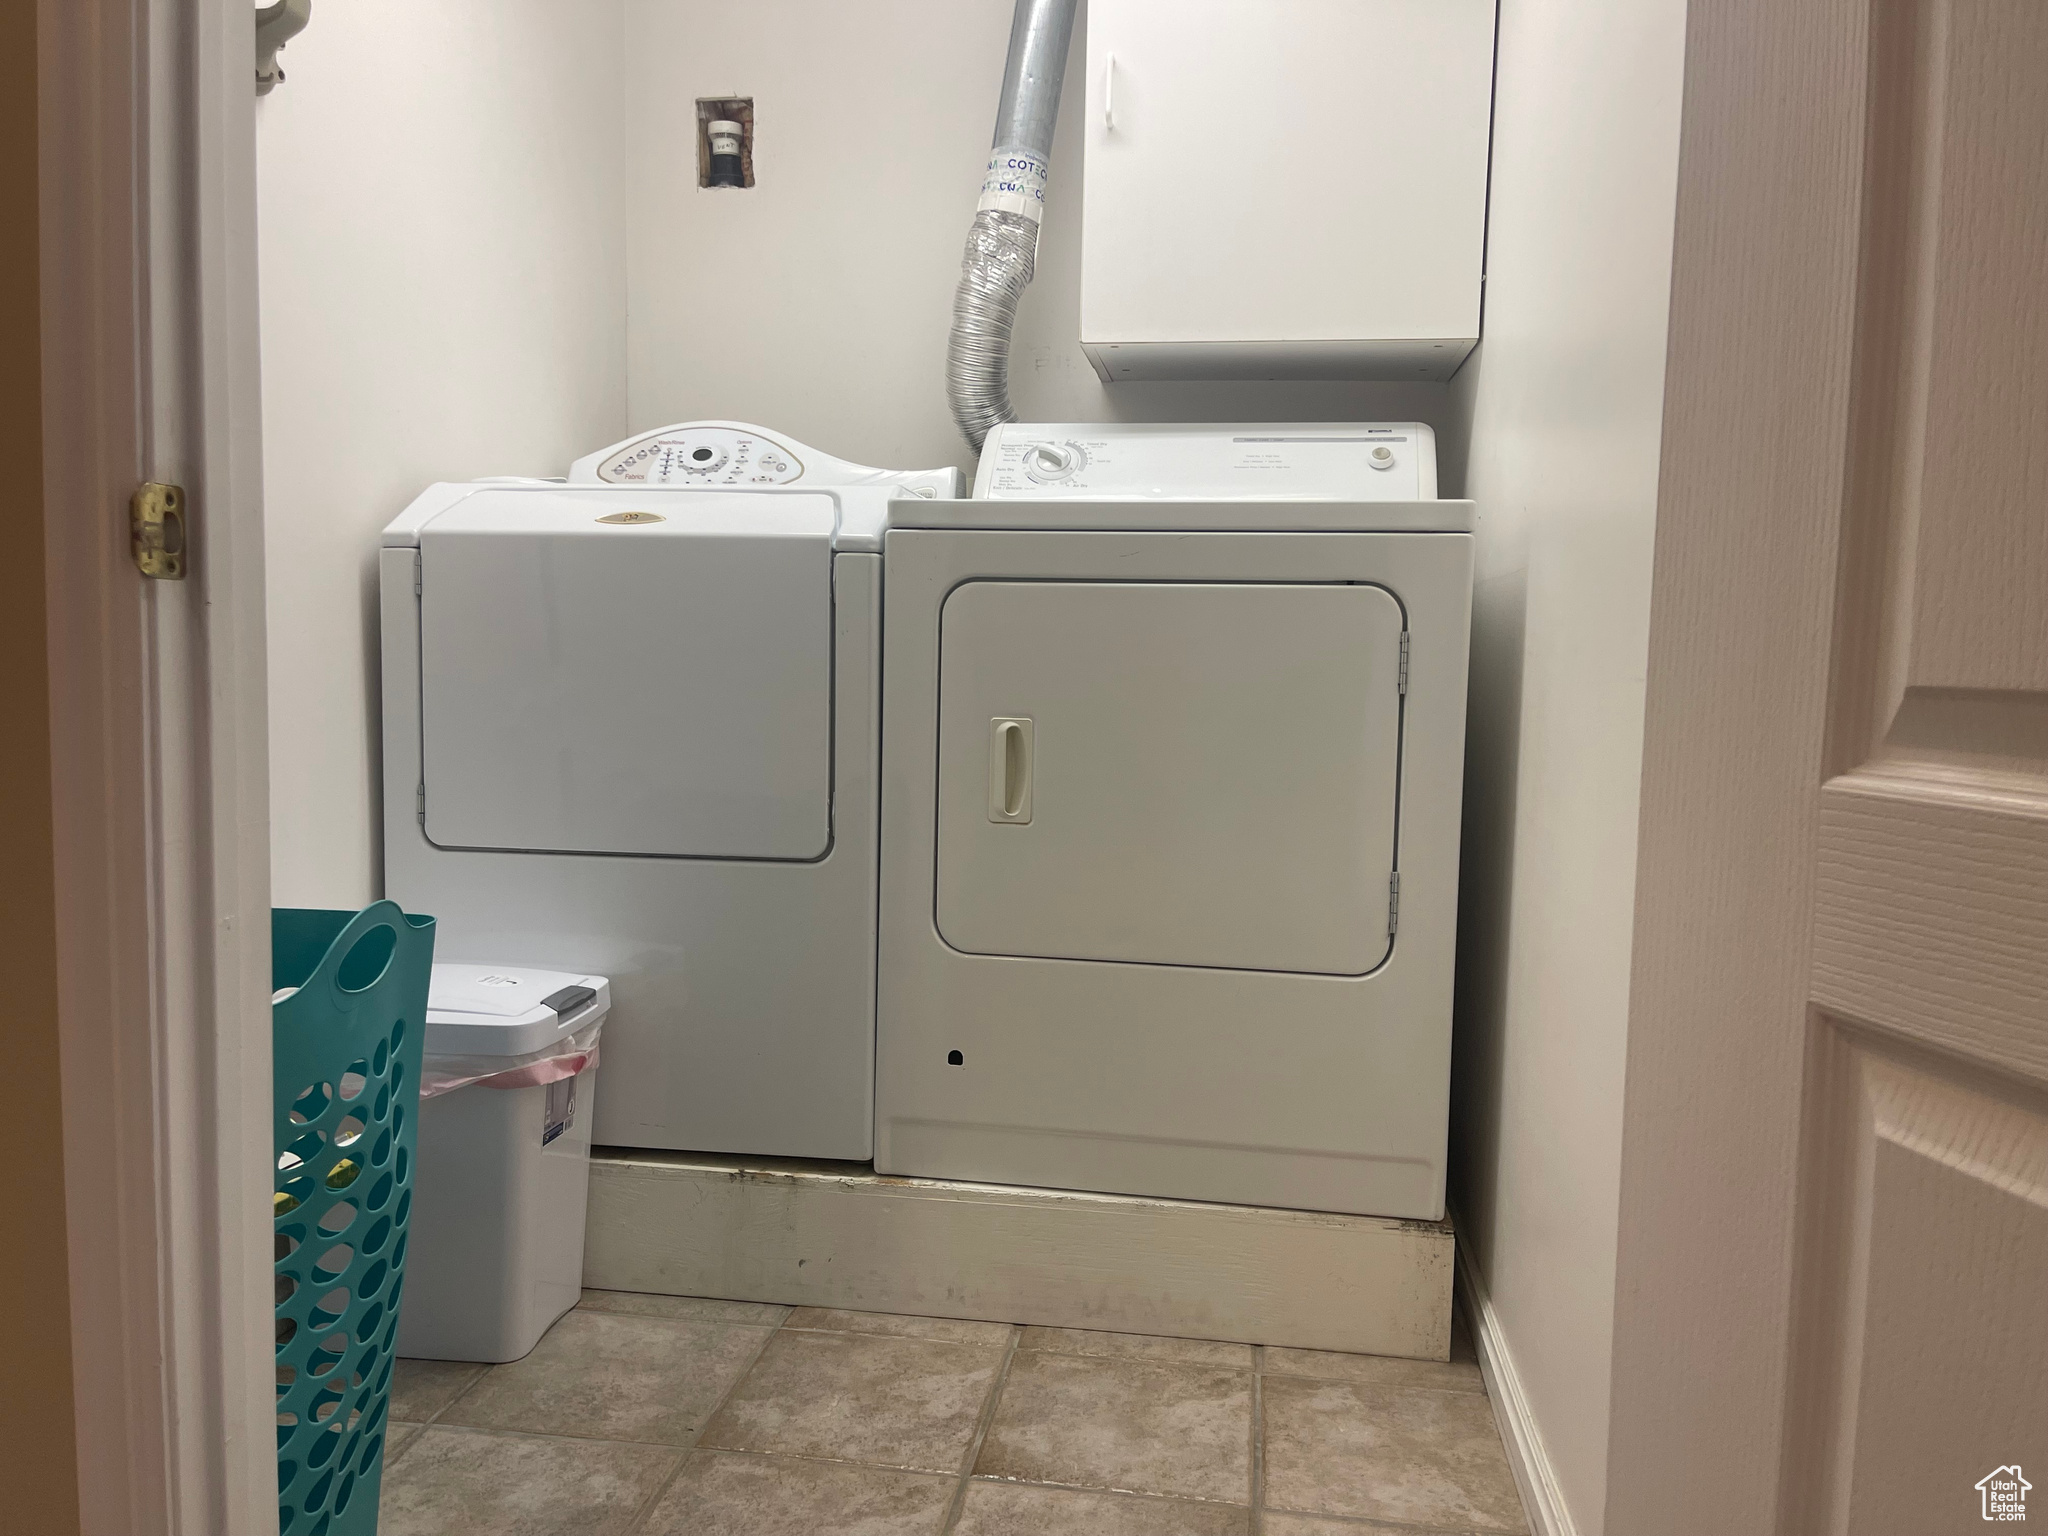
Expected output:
{"points": [[630, 728], [1174, 722]]}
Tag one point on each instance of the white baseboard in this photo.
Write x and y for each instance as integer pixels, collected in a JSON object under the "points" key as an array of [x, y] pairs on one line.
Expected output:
{"points": [[1527, 1454], [834, 1235]]}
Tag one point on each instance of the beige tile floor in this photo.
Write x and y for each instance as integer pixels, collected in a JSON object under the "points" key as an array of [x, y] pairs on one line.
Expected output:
{"points": [[672, 1416]]}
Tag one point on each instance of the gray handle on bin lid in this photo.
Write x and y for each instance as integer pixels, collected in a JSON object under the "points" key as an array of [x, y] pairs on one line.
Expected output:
{"points": [[568, 1000]]}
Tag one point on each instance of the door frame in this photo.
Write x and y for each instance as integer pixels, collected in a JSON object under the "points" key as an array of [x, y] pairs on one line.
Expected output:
{"points": [[159, 758], [1764, 273]]}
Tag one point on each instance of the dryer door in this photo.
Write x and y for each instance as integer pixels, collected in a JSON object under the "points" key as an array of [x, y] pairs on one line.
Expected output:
{"points": [[641, 674], [1169, 773]]}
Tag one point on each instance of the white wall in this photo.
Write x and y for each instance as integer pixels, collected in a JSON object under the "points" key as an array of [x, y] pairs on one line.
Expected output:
{"points": [[443, 271], [1563, 402], [818, 301]]}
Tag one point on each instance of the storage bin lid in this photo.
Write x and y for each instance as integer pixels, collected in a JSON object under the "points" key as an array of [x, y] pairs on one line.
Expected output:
{"points": [[508, 1010]]}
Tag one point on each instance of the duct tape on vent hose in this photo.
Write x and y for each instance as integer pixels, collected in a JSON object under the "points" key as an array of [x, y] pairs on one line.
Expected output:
{"points": [[567, 1057], [1015, 183]]}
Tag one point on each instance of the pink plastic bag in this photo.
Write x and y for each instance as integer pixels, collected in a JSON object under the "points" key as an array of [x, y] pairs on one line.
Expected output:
{"points": [[567, 1057]]}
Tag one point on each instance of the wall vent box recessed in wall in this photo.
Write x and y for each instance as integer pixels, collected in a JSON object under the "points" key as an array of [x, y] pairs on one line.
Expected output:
{"points": [[1295, 190], [725, 109]]}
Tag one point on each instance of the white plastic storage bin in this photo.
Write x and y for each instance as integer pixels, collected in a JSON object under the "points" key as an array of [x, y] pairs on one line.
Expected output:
{"points": [[508, 1091]]}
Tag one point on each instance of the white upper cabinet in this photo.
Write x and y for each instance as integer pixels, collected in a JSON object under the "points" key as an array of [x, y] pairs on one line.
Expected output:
{"points": [[1285, 189]]}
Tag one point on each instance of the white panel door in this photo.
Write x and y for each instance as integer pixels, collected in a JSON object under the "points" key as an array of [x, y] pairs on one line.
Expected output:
{"points": [[1833, 1300], [660, 687], [1169, 773], [1923, 1365]]}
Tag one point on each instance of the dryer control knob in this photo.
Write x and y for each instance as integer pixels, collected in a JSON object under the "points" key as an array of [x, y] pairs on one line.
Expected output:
{"points": [[1053, 461], [1381, 457]]}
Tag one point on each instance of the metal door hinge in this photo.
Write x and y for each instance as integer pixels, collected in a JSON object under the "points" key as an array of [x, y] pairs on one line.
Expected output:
{"points": [[1404, 662], [419, 805], [1393, 902], [156, 523], [418, 581]]}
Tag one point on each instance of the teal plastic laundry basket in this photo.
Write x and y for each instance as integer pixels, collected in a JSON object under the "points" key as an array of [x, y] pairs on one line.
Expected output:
{"points": [[346, 1046]]}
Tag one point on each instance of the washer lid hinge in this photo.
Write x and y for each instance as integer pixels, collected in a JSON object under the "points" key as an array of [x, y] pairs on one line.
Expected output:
{"points": [[419, 803], [1404, 662], [1393, 902], [417, 585]]}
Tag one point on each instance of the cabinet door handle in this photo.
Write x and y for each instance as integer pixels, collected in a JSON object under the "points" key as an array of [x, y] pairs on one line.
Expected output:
{"points": [[1009, 770], [1109, 91]]}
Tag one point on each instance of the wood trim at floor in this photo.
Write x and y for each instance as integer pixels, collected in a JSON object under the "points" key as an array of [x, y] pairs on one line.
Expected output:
{"points": [[840, 1235], [1528, 1456]]}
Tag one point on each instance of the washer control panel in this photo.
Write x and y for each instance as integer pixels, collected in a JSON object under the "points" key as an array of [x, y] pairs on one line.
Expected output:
{"points": [[737, 455], [1323, 461], [701, 455]]}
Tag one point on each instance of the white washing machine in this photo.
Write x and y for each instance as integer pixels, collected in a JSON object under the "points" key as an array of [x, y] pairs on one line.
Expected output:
{"points": [[630, 728], [1174, 724]]}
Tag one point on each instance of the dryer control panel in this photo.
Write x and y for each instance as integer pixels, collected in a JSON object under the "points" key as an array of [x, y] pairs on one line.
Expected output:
{"points": [[1111, 461]]}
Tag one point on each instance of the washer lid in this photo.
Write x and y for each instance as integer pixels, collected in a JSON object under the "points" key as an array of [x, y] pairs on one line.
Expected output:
{"points": [[508, 1010], [628, 675]]}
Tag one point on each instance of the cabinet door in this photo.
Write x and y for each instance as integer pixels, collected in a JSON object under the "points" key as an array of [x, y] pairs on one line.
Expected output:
{"points": [[1296, 170], [1169, 773]]}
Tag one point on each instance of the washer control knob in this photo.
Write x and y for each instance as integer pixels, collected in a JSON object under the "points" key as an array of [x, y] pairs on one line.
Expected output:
{"points": [[1382, 457], [1053, 461]]}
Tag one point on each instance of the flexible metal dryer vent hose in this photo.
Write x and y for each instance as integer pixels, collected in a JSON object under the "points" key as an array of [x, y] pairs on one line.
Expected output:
{"points": [[1002, 245]]}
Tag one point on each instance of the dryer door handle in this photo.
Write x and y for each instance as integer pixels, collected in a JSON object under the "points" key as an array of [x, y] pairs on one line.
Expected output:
{"points": [[1009, 770]]}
